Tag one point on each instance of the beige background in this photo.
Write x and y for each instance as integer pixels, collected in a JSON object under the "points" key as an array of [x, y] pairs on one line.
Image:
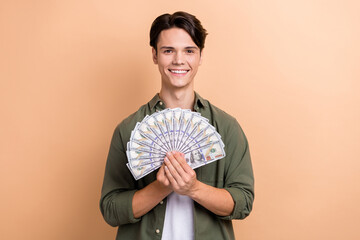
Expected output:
{"points": [[287, 70]]}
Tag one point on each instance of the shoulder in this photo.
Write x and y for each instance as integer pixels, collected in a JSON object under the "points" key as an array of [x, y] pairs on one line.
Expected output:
{"points": [[219, 116], [226, 124], [125, 127], [134, 117]]}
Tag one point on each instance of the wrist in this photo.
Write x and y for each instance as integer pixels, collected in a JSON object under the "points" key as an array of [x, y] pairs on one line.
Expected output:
{"points": [[165, 190], [194, 193]]}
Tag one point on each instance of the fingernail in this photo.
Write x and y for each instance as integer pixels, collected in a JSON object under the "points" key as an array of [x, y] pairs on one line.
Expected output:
{"points": [[166, 160]]}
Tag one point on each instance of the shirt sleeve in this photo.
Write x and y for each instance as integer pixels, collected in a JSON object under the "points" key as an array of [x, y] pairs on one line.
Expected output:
{"points": [[118, 187], [239, 178]]}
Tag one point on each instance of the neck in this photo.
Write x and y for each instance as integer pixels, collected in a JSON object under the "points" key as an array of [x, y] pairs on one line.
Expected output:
{"points": [[178, 98]]}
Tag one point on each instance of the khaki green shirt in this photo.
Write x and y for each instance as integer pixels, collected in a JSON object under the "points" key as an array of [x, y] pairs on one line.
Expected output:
{"points": [[233, 173]]}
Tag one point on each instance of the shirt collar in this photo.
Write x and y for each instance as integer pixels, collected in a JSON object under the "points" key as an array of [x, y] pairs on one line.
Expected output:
{"points": [[199, 101], [154, 101]]}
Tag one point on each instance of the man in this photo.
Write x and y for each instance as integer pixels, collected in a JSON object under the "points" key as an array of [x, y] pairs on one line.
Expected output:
{"points": [[177, 202]]}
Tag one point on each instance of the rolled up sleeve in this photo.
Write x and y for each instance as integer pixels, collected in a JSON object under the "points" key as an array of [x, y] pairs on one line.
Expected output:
{"points": [[118, 186], [239, 178], [117, 210]]}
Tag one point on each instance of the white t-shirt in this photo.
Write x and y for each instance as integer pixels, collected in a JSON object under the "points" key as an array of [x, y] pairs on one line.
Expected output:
{"points": [[179, 218]]}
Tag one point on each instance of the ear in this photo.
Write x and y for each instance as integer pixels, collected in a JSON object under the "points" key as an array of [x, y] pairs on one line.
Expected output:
{"points": [[201, 56], [154, 56]]}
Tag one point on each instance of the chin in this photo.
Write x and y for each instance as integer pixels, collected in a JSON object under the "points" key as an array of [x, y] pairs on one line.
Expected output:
{"points": [[179, 84]]}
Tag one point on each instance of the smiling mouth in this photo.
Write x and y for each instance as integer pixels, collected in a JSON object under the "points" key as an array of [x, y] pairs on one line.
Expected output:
{"points": [[178, 71]]}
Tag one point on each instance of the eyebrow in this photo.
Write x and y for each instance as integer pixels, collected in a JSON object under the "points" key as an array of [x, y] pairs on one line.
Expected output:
{"points": [[168, 47]]}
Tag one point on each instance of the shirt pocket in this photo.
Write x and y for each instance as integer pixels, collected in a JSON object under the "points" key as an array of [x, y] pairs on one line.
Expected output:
{"points": [[212, 173]]}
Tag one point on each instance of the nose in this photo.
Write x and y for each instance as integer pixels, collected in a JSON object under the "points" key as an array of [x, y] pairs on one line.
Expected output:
{"points": [[178, 59]]}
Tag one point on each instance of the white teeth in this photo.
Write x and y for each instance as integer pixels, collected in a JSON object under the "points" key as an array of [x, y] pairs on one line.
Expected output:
{"points": [[178, 71]]}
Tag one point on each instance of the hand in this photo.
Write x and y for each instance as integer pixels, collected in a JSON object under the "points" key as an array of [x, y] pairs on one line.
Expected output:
{"points": [[162, 178], [181, 177]]}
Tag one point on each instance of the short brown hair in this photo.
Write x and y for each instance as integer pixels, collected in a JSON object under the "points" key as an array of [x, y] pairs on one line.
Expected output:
{"points": [[181, 20]]}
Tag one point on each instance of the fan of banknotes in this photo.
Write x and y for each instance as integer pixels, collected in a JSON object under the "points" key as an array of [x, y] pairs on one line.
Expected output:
{"points": [[172, 130]]}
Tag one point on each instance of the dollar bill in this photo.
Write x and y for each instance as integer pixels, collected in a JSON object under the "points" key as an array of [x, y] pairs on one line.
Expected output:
{"points": [[172, 130], [200, 156], [142, 171]]}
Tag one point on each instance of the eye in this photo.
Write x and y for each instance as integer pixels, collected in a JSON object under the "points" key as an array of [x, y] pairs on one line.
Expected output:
{"points": [[168, 51], [190, 51]]}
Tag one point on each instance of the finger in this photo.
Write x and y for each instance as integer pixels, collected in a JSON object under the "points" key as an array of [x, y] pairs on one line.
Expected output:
{"points": [[180, 157], [161, 175], [186, 175], [161, 169], [170, 178], [172, 169], [177, 160], [166, 180], [176, 166]]}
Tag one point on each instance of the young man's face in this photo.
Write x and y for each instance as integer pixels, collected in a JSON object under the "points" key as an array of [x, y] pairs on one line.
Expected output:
{"points": [[177, 57]]}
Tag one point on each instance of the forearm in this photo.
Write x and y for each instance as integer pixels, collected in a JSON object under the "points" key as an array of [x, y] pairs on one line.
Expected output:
{"points": [[216, 200], [147, 198]]}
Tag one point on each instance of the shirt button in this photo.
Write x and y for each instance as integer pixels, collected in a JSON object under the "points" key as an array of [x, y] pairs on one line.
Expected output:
{"points": [[157, 231], [161, 103], [161, 202]]}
